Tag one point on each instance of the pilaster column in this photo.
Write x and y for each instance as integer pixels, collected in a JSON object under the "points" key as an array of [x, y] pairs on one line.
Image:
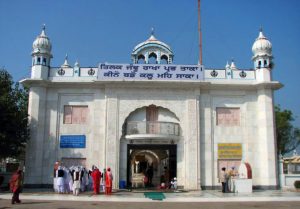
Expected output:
{"points": [[34, 149], [192, 145], [265, 167], [112, 141]]}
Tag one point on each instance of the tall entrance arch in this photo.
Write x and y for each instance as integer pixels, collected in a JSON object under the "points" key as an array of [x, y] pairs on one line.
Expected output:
{"points": [[148, 147]]}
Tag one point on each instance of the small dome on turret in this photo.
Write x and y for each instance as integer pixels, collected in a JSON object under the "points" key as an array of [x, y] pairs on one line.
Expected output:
{"points": [[152, 48], [262, 46], [42, 43], [152, 40]]}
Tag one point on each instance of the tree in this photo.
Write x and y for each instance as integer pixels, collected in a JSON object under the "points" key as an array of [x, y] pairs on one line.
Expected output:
{"points": [[14, 131], [288, 136]]}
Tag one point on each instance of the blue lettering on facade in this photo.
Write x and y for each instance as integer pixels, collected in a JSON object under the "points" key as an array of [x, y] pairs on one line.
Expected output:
{"points": [[150, 72]]}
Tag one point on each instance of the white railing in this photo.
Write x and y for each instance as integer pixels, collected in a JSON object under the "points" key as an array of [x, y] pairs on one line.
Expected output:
{"points": [[147, 127]]}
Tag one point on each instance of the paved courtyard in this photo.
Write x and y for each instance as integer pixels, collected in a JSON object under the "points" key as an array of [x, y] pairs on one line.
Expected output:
{"points": [[50, 204]]}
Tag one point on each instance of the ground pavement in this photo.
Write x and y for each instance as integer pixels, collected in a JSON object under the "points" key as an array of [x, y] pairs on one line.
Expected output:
{"points": [[176, 196], [44, 199]]}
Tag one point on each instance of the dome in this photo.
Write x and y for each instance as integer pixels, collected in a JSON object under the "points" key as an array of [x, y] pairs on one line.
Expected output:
{"points": [[152, 41], [42, 43], [152, 49], [262, 46]]}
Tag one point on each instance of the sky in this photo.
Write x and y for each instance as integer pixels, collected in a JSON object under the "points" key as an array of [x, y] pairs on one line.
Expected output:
{"points": [[93, 31]]}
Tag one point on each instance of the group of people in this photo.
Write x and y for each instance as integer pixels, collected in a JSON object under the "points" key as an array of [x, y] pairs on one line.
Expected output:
{"points": [[226, 178], [78, 179]]}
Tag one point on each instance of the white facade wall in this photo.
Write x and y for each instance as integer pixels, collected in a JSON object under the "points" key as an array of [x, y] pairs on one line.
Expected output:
{"points": [[187, 95], [195, 111]]}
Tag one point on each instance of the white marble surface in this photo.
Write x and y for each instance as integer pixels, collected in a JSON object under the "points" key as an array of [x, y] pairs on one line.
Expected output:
{"points": [[242, 185], [193, 107]]}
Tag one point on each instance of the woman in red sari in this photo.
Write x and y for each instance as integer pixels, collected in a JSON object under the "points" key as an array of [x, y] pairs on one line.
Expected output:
{"points": [[108, 181], [15, 184], [96, 175]]}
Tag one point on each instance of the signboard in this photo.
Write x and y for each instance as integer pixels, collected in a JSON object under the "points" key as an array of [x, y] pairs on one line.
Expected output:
{"points": [[72, 141], [230, 151], [136, 72]]}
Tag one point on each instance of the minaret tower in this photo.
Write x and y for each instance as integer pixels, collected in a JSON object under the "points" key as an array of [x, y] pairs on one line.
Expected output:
{"points": [[262, 57], [41, 56]]}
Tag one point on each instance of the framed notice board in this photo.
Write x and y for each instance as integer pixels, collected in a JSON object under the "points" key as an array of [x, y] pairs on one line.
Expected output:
{"points": [[72, 141]]}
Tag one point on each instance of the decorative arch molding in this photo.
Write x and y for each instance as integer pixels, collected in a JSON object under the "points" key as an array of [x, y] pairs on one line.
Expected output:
{"points": [[125, 114], [152, 46], [150, 152]]}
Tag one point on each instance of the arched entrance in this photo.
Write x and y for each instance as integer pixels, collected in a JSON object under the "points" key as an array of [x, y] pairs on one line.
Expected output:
{"points": [[149, 147], [157, 162]]}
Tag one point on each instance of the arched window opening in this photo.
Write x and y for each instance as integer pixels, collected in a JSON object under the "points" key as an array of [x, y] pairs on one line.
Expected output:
{"points": [[164, 59], [152, 58], [141, 59], [259, 64], [38, 62], [265, 63], [44, 61]]}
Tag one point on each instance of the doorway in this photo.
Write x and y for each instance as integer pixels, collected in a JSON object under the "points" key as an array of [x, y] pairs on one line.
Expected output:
{"points": [[149, 165]]}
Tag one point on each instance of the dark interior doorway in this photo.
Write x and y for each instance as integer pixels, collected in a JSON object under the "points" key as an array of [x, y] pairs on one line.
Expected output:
{"points": [[157, 162]]}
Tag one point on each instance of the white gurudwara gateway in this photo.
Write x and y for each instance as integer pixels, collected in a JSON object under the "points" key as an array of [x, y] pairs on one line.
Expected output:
{"points": [[183, 121]]}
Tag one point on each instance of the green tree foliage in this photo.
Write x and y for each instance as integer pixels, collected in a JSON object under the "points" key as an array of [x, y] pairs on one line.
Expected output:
{"points": [[288, 136], [14, 131]]}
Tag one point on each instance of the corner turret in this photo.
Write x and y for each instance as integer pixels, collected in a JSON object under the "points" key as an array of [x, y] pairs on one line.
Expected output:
{"points": [[262, 57], [41, 56]]}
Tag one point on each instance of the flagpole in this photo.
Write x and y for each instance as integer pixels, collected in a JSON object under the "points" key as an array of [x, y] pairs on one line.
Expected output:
{"points": [[200, 34]]}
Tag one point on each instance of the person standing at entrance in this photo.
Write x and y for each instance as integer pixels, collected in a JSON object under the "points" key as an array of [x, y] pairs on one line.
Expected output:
{"points": [[15, 184], [96, 175], [76, 181], [60, 180], [223, 180], [149, 174], [108, 182]]}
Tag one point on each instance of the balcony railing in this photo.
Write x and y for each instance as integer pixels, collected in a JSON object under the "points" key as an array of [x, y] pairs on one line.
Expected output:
{"points": [[156, 128]]}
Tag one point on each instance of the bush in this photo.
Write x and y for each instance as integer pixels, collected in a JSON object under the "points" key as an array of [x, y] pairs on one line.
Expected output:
{"points": [[297, 184]]}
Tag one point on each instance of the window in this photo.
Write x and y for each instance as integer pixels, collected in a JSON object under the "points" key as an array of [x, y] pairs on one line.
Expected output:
{"points": [[141, 59], [44, 61], [164, 59], [75, 114], [38, 61], [152, 58], [259, 64], [228, 116]]}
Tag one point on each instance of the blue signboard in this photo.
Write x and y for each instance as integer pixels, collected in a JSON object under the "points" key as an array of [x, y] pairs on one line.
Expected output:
{"points": [[72, 141]]}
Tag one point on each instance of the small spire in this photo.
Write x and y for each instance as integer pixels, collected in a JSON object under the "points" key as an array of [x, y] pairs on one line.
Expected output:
{"points": [[152, 31], [43, 30], [66, 63], [227, 65], [261, 35], [152, 37], [76, 63], [232, 66]]}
